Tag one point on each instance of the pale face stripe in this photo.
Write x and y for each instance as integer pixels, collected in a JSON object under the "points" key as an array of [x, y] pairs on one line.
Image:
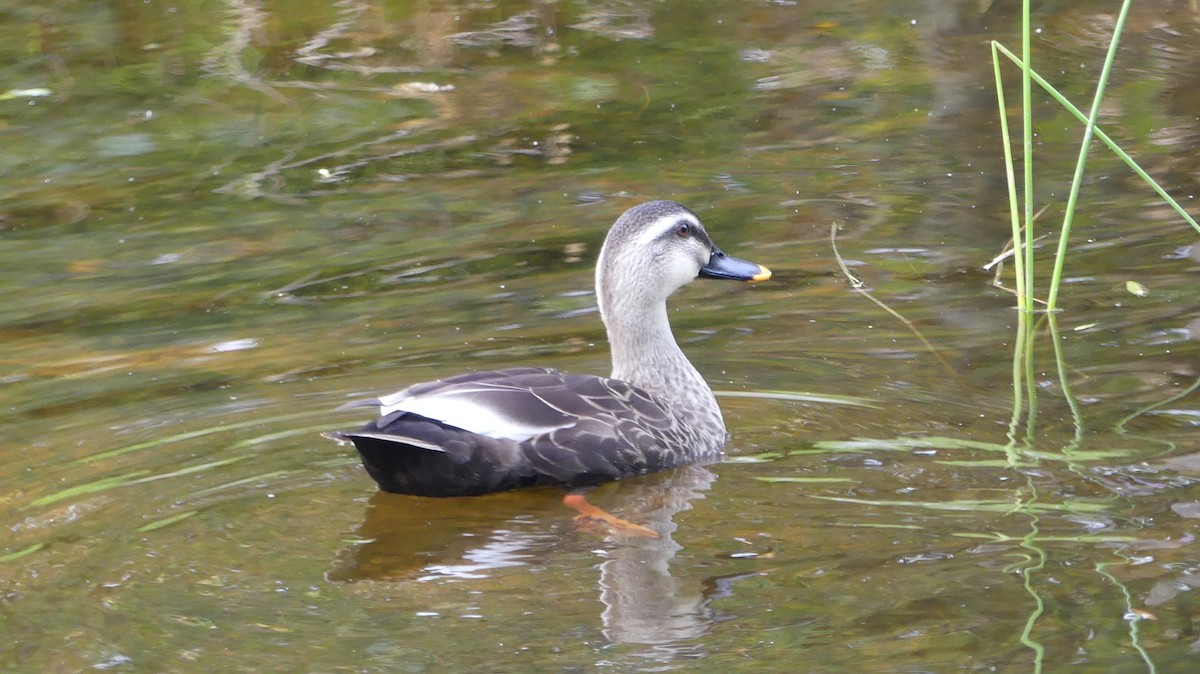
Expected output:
{"points": [[661, 227]]}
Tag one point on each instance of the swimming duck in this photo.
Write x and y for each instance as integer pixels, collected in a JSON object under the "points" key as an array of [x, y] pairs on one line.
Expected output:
{"points": [[502, 429]]}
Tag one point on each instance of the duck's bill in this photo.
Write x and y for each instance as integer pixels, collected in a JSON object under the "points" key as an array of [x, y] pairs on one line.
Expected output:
{"points": [[722, 266]]}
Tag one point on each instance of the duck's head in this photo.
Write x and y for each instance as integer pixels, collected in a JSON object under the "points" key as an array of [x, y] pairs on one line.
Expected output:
{"points": [[656, 248]]}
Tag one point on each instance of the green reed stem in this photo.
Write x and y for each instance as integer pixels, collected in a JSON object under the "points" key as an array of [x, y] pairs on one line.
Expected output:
{"points": [[1060, 257], [1112, 145], [1069, 451], [1133, 618], [1018, 406], [1014, 210], [1027, 140], [1119, 427], [1031, 543], [1031, 330]]}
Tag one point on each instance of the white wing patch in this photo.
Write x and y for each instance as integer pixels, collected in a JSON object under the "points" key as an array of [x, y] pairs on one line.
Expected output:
{"points": [[457, 408], [387, 437]]}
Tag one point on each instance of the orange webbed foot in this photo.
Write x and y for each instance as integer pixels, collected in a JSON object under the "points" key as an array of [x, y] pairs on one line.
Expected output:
{"points": [[591, 517]]}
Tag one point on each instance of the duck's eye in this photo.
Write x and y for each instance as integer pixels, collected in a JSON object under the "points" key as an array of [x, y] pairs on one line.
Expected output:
{"points": [[682, 229]]}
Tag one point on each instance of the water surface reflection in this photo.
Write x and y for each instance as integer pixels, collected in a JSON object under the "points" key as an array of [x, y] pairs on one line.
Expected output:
{"points": [[412, 539], [216, 226]]}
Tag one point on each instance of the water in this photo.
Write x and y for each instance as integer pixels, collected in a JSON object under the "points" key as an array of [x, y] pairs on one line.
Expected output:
{"points": [[223, 221]]}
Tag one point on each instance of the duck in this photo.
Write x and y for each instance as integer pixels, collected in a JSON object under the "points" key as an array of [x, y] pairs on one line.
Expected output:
{"points": [[498, 430]]}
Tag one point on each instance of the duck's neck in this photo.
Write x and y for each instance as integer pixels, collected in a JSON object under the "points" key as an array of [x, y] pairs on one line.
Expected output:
{"points": [[645, 354]]}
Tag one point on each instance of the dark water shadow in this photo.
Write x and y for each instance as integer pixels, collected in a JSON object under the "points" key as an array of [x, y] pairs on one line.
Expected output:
{"points": [[412, 539]]}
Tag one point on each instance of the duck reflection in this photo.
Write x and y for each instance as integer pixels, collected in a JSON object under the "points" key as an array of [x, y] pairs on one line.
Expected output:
{"points": [[643, 602], [407, 538]]}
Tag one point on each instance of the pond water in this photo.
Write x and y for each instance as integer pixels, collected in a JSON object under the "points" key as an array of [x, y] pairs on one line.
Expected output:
{"points": [[222, 220]]}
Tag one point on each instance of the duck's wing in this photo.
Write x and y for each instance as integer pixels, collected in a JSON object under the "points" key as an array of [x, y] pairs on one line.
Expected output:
{"points": [[502, 404], [495, 430], [619, 430]]}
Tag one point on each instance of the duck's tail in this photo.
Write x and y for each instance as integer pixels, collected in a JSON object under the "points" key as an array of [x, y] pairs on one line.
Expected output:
{"points": [[424, 457]]}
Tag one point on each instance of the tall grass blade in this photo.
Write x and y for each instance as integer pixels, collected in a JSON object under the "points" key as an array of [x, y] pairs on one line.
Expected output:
{"points": [[1014, 209], [1060, 256], [1027, 144], [1104, 137]]}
